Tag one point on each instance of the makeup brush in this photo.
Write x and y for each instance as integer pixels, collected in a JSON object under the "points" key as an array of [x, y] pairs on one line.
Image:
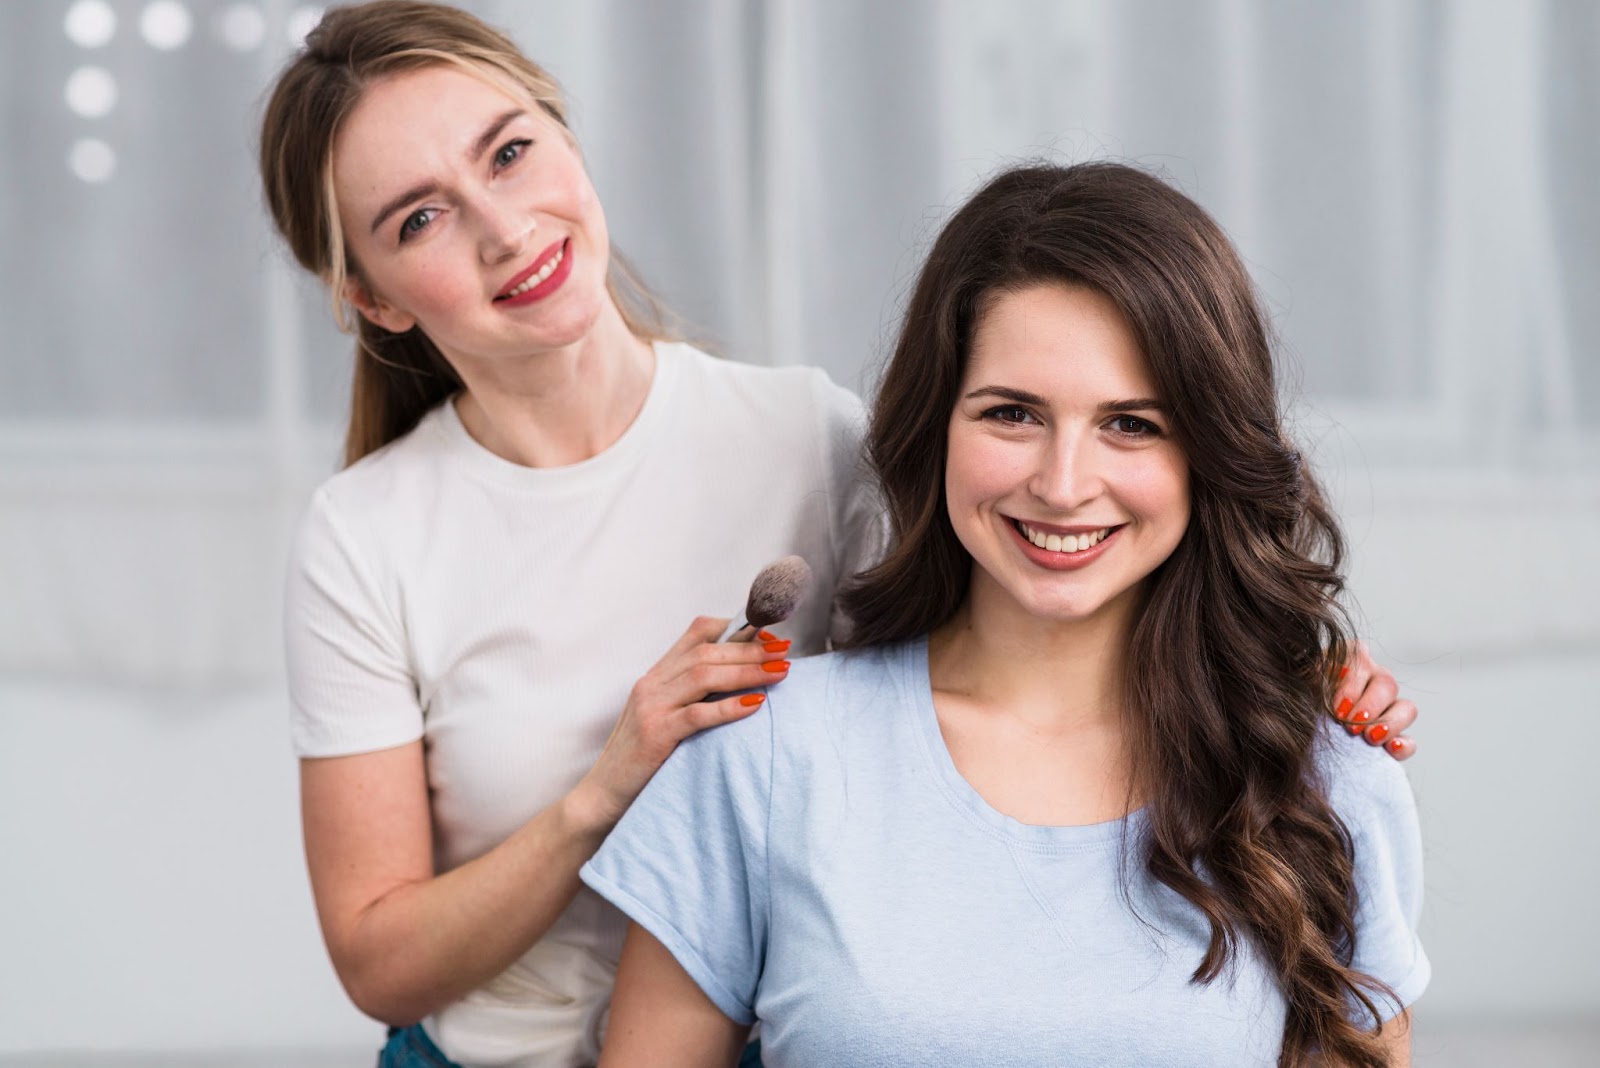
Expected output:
{"points": [[774, 596]]}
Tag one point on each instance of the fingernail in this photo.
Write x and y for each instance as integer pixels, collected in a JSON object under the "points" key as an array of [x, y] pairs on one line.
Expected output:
{"points": [[1394, 745], [1353, 730], [1344, 708], [1378, 734], [775, 667], [1344, 672], [767, 636], [1361, 716], [750, 700], [776, 647]]}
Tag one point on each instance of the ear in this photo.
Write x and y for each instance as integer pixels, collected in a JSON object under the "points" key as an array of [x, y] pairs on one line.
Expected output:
{"points": [[375, 309]]}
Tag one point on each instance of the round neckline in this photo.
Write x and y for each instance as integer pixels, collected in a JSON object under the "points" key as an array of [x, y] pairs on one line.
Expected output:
{"points": [[613, 458], [968, 801]]}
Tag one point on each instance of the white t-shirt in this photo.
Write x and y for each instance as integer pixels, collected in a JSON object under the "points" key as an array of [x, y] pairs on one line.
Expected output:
{"points": [[501, 613]]}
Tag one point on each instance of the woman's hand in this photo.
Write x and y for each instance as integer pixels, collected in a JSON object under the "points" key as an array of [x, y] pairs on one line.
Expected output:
{"points": [[670, 703], [1367, 701]]}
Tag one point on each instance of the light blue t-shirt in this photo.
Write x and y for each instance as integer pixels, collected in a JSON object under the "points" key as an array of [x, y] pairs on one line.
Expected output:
{"points": [[822, 866]]}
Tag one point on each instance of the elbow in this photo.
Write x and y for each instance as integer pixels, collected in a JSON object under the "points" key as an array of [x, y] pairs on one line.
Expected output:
{"points": [[380, 997]]}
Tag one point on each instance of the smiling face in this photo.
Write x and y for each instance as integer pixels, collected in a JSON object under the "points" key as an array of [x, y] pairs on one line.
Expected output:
{"points": [[1062, 480], [469, 213]]}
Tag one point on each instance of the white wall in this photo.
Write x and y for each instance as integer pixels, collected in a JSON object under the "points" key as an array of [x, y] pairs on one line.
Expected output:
{"points": [[154, 894]]}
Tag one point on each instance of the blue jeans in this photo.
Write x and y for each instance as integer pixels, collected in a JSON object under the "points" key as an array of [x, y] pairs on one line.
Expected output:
{"points": [[410, 1047]]}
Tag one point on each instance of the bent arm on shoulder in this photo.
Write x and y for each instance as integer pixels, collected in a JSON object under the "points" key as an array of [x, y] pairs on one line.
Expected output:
{"points": [[404, 941]]}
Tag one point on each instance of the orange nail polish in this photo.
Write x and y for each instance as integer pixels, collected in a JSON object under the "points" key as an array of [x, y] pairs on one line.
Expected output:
{"points": [[1378, 734], [1353, 730], [1344, 708], [767, 636], [1394, 745], [1344, 673], [776, 647], [776, 667], [1361, 716], [750, 700]]}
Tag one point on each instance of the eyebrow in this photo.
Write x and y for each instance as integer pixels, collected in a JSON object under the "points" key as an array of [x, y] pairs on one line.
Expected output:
{"points": [[479, 147], [1022, 396]]}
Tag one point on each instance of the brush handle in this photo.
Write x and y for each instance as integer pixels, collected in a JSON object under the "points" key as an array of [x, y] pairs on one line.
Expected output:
{"points": [[738, 624]]}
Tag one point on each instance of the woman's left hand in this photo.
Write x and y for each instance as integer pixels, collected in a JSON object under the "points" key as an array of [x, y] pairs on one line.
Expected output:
{"points": [[1368, 702]]}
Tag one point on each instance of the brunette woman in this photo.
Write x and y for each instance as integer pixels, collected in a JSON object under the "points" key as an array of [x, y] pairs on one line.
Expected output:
{"points": [[1074, 800]]}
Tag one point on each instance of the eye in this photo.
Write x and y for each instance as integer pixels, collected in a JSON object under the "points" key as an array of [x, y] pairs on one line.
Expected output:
{"points": [[1131, 426], [416, 222], [510, 152], [1013, 414]]}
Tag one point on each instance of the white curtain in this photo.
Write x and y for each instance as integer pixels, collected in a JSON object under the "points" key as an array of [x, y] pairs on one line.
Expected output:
{"points": [[1411, 182]]}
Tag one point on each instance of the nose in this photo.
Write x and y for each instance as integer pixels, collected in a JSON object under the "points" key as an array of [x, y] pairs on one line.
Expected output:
{"points": [[1069, 473], [505, 230]]}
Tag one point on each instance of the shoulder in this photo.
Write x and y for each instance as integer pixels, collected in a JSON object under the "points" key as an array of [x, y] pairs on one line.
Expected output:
{"points": [[391, 474], [1360, 781], [392, 489], [787, 395], [804, 710]]}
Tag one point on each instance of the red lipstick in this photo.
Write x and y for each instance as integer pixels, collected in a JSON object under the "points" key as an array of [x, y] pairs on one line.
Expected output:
{"points": [[544, 288]]}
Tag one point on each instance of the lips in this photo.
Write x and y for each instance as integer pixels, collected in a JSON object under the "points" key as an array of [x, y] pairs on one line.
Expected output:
{"points": [[539, 278], [1089, 544]]}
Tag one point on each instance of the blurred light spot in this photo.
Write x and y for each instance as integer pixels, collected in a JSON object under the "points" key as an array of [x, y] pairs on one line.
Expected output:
{"points": [[241, 27], [90, 23], [166, 24], [91, 92], [92, 160], [301, 22]]}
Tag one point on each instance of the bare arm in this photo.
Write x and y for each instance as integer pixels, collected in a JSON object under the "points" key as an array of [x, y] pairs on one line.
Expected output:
{"points": [[405, 941], [1396, 1039], [660, 1018]]}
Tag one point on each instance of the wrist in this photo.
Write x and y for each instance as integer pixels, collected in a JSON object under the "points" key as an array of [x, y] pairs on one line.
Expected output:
{"points": [[589, 812]]}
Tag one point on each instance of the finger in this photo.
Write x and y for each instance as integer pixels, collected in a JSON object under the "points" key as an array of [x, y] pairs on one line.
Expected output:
{"points": [[1380, 693], [703, 669], [1353, 676], [1398, 717], [1402, 748], [693, 684], [703, 714], [704, 629], [720, 653]]}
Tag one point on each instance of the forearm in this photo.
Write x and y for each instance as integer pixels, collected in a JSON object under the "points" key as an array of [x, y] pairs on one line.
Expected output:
{"points": [[429, 942]]}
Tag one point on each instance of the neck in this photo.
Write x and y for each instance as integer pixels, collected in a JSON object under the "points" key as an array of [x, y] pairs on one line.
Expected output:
{"points": [[562, 406], [1061, 678]]}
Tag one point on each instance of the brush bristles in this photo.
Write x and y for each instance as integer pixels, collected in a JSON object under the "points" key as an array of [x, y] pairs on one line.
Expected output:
{"points": [[778, 591]]}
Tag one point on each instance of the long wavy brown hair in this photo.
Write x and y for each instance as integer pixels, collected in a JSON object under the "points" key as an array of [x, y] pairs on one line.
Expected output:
{"points": [[398, 377], [1237, 626]]}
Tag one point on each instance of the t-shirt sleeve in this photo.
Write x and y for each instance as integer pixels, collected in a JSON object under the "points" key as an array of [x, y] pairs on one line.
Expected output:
{"points": [[1370, 793], [688, 861], [860, 523], [351, 689]]}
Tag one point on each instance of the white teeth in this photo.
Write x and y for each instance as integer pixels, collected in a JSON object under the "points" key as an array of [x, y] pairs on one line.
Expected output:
{"points": [[1063, 543], [539, 276]]}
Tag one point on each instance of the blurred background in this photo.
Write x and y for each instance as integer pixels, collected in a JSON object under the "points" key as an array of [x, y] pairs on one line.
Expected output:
{"points": [[1412, 184]]}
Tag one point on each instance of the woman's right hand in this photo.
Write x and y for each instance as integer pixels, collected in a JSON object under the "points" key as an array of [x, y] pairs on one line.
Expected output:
{"points": [[669, 703]]}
